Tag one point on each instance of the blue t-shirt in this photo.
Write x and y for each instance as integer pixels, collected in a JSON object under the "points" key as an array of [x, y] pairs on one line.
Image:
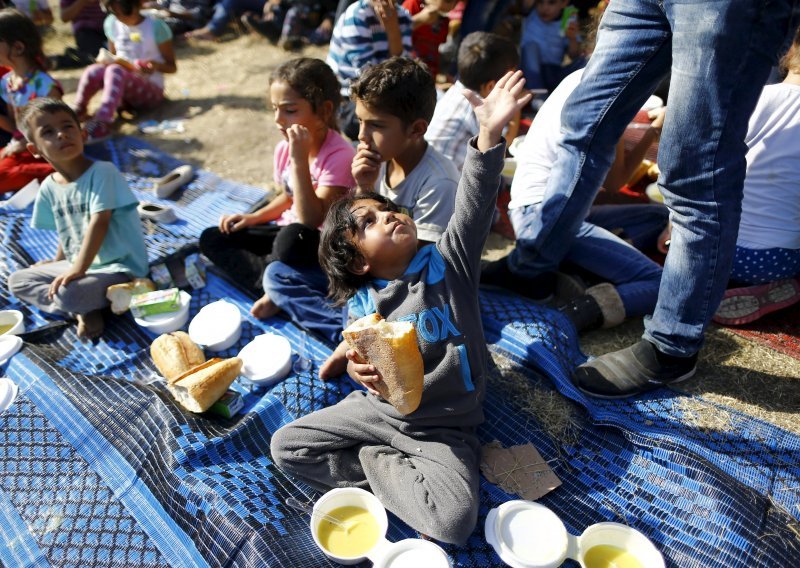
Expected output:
{"points": [[67, 209], [547, 35]]}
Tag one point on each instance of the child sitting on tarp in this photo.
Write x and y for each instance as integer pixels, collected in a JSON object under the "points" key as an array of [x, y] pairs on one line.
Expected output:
{"points": [[312, 167], [423, 466], [549, 33], [89, 204], [766, 265], [22, 53]]}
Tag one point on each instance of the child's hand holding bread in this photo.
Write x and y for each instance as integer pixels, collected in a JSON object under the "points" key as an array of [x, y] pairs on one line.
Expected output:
{"points": [[385, 358]]}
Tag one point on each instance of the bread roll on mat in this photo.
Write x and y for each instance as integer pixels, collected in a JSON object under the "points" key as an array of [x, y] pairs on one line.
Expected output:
{"points": [[199, 388], [120, 294], [392, 348], [174, 354]]}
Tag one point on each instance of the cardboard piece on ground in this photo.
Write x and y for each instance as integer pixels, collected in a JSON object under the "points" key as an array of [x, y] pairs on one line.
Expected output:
{"points": [[520, 470]]}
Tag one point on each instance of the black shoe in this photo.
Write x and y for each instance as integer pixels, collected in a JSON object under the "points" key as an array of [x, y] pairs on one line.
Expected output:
{"points": [[631, 371], [584, 313], [497, 273], [263, 28]]}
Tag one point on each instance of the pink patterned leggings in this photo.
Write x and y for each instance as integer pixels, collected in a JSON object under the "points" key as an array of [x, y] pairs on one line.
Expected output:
{"points": [[119, 86]]}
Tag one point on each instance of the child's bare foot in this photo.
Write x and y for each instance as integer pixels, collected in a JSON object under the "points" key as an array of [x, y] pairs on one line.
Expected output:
{"points": [[90, 325], [264, 308], [202, 34]]}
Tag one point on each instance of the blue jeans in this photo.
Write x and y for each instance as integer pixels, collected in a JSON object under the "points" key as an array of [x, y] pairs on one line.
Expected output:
{"points": [[301, 293], [720, 53], [602, 253], [641, 224], [541, 75], [224, 10]]}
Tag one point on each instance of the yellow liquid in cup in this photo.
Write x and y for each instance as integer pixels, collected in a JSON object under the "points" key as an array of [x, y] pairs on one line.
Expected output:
{"points": [[607, 556], [5, 328], [356, 539]]}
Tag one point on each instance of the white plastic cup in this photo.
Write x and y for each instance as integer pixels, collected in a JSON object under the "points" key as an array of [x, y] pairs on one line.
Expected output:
{"points": [[15, 319], [349, 497], [410, 553]]}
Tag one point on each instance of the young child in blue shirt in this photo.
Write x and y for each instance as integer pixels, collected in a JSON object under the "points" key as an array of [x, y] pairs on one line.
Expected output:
{"points": [[422, 466], [90, 205], [544, 43]]}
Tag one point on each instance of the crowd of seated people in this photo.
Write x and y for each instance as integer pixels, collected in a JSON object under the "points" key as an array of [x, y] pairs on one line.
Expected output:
{"points": [[389, 184]]}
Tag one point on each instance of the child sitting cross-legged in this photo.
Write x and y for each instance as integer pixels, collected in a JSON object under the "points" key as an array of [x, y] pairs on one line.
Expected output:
{"points": [[423, 466], [93, 210]]}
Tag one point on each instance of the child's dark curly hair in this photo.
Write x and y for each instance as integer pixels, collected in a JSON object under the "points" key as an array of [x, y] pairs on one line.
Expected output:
{"points": [[126, 7], [17, 27], [313, 80], [399, 86], [338, 252]]}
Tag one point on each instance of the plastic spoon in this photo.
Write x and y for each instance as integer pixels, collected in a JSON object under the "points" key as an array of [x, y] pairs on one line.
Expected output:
{"points": [[295, 504]]}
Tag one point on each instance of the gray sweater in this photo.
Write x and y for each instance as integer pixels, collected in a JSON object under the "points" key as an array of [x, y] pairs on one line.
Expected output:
{"points": [[439, 294]]}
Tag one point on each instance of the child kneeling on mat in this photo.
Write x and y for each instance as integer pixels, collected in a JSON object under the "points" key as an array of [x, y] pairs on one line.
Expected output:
{"points": [[90, 205], [422, 466]]}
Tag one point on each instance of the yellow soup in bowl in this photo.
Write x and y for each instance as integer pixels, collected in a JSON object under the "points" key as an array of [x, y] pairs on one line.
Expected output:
{"points": [[607, 556], [355, 536]]}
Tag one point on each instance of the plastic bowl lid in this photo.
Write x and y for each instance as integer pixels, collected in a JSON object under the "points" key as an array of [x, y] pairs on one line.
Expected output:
{"points": [[215, 323], [266, 358], [8, 393], [527, 535], [9, 345], [413, 553]]}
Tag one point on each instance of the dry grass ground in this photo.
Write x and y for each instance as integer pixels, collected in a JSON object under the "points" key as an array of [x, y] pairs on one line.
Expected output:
{"points": [[219, 92]]}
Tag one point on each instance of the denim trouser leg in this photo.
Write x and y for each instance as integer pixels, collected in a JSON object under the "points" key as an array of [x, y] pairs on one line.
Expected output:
{"points": [[640, 224], [224, 10], [301, 293], [720, 52], [602, 253]]}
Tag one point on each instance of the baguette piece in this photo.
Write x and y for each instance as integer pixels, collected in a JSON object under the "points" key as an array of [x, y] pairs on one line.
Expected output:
{"points": [[199, 388], [392, 348], [174, 354], [120, 294]]}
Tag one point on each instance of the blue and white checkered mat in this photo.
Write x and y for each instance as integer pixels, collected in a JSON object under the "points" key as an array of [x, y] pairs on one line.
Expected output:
{"points": [[100, 467]]}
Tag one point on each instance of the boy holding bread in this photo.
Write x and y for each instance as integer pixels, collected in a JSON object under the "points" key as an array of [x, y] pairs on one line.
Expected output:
{"points": [[413, 444], [91, 207]]}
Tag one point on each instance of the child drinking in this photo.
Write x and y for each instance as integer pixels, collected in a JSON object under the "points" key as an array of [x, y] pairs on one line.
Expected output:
{"points": [[143, 49], [88, 203], [311, 166], [423, 466], [21, 51]]}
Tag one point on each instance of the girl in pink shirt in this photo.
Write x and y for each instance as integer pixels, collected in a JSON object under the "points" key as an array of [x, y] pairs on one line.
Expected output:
{"points": [[311, 167]]}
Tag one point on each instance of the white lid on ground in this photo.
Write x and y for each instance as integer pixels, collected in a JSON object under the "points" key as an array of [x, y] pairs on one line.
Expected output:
{"points": [[9, 345], [266, 359], [413, 553], [527, 535], [8, 393]]}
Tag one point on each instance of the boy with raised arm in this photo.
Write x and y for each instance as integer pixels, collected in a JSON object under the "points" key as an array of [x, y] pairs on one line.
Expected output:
{"points": [[422, 466]]}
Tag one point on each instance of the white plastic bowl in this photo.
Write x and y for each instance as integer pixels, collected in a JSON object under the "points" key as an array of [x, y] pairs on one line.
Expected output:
{"points": [[167, 323], [15, 319], [349, 496], [217, 326], [267, 359]]}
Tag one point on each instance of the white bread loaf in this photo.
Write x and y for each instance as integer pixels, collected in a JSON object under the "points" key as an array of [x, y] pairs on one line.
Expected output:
{"points": [[391, 347], [199, 388], [120, 294], [174, 354]]}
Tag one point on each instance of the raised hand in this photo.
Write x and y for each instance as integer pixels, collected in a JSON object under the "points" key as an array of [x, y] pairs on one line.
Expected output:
{"points": [[499, 107]]}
